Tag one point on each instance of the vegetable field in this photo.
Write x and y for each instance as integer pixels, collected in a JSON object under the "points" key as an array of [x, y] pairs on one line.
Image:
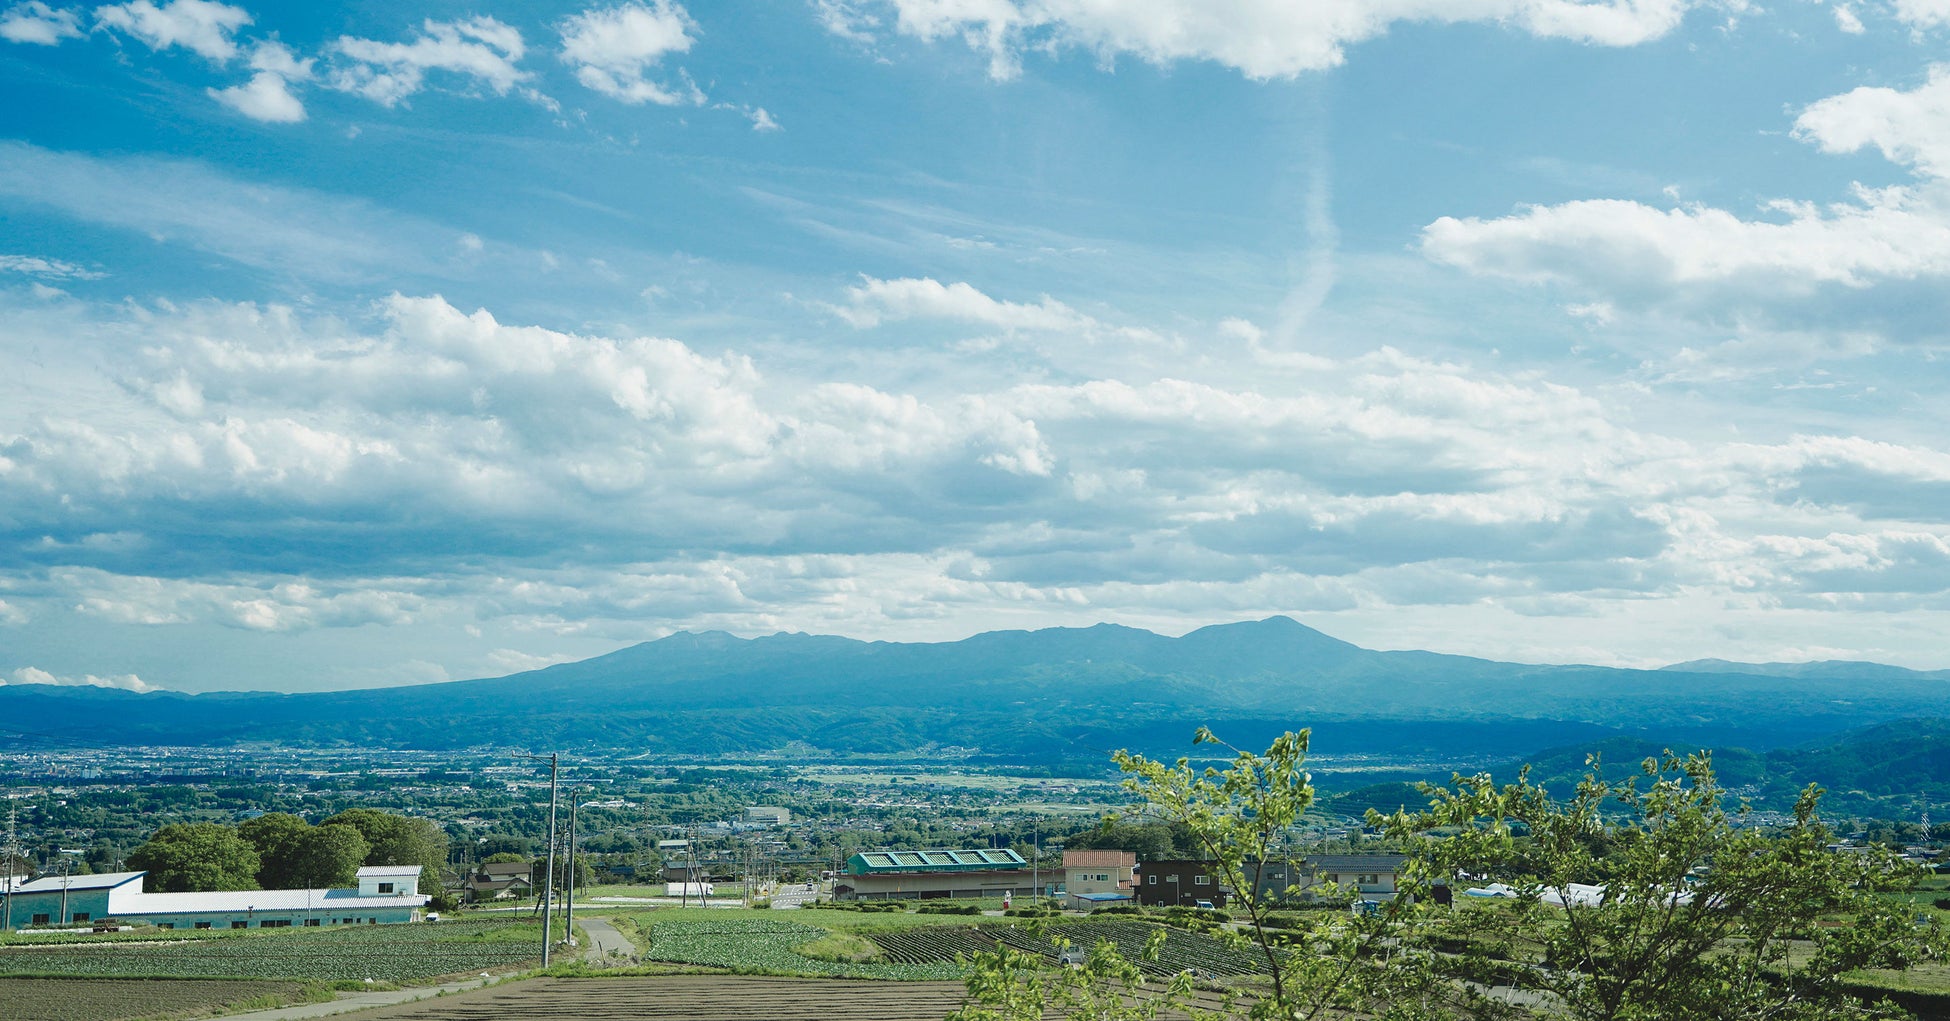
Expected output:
{"points": [[1182, 950], [388, 953], [61, 999], [756, 945]]}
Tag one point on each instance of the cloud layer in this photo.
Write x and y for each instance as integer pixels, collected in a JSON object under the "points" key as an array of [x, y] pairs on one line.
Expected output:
{"points": [[1260, 38], [266, 470]]}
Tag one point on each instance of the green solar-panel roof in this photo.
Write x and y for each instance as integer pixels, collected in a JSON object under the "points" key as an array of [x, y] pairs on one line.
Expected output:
{"points": [[966, 860]]}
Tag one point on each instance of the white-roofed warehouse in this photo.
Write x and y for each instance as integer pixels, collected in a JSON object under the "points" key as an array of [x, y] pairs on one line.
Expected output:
{"points": [[385, 894]]}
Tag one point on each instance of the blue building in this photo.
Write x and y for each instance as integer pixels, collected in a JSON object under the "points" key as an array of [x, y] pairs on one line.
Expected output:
{"points": [[385, 894]]}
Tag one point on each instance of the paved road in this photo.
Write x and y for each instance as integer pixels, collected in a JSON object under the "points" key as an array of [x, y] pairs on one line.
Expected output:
{"points": [[604, 940], [792, 895]]}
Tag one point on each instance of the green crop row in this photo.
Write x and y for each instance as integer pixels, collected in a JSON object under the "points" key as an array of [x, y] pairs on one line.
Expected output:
{"points": [[388, 953], [765, 946]]}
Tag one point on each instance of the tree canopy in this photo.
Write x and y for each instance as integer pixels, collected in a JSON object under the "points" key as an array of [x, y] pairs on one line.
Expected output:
{"points": [[294, 854], [397, 839], [183, 857]]}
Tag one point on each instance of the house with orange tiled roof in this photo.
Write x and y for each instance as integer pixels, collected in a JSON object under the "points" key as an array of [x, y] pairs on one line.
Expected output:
{"points": [[1094, 879]]}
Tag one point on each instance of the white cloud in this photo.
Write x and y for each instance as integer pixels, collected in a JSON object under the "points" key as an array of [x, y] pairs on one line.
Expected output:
{"points": [[35, 22], [269, 605], [34, 675], [1847, 20], [1634, 252], [1621, 245], [843, 18], [267, 96], [605, 484], [1923, 14], [613, 49], [1260, 38], [762, 121], [882, 301], [203, 27], [480, 49], [52, 269], [1910, 128]]}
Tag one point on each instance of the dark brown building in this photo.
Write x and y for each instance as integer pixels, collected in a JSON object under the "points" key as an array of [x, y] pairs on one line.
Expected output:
{"points": [[1178, 883]]}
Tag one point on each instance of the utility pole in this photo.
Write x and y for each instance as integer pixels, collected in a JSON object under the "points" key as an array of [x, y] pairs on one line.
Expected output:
{"points": [[569, 925], [548, 903], [7, 880], [1036, 860]]}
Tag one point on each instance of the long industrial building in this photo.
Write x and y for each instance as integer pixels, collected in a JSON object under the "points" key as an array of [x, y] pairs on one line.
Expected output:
{"points": [[915, 875], [385, 894]]}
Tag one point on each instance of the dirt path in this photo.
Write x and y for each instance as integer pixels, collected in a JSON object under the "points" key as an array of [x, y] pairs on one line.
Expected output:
{"points": [[349, 1002]]}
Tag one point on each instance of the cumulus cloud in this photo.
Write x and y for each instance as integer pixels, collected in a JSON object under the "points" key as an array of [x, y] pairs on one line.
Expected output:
{"points": [[260, 470], [35, 22], [480, 50], [1632, 252], [1910, 128], [878, 301], [1260, 38], [34, 675], [874, 302], [1922, 14], [203, 27], [1629, 246], [613, 50], [267, 96]]}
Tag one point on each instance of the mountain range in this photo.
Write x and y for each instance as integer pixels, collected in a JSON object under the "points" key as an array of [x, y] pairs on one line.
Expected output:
{"points": [[1045, 696]]}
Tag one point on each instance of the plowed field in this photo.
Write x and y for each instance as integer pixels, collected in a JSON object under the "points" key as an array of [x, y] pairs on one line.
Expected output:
{"points": [[1182, 950], [688, 998]]}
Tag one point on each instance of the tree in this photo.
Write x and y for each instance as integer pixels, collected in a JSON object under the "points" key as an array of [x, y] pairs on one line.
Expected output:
{"points": [[1237, 818], [276, 836], [294, 854], [1683, 913], [183, 857], [397, 839], [328, 856]]}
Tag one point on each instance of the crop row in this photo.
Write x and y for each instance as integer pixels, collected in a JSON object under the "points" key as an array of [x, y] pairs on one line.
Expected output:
{"points": [[33, 999], [401, 953], [758, 945], [1181, 951]]}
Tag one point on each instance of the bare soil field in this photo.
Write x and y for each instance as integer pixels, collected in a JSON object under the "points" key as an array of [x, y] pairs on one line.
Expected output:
{"points": [[688, 998]]}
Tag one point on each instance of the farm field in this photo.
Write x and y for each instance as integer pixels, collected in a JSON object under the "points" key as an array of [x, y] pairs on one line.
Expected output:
{"points": [[688, 998], [764, 945], [383, 953], [1182, 950], [56, 999]]}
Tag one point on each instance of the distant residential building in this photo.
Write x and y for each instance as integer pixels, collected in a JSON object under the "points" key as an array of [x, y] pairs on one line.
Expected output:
{"points": [[1094, 879], [385, 894], [1179, 883], [907, 875], [1365, 876], [768, 815], [502, 880]]}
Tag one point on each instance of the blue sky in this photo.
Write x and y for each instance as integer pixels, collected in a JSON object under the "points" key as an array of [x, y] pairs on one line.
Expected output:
{"points": [[352, 345]]}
